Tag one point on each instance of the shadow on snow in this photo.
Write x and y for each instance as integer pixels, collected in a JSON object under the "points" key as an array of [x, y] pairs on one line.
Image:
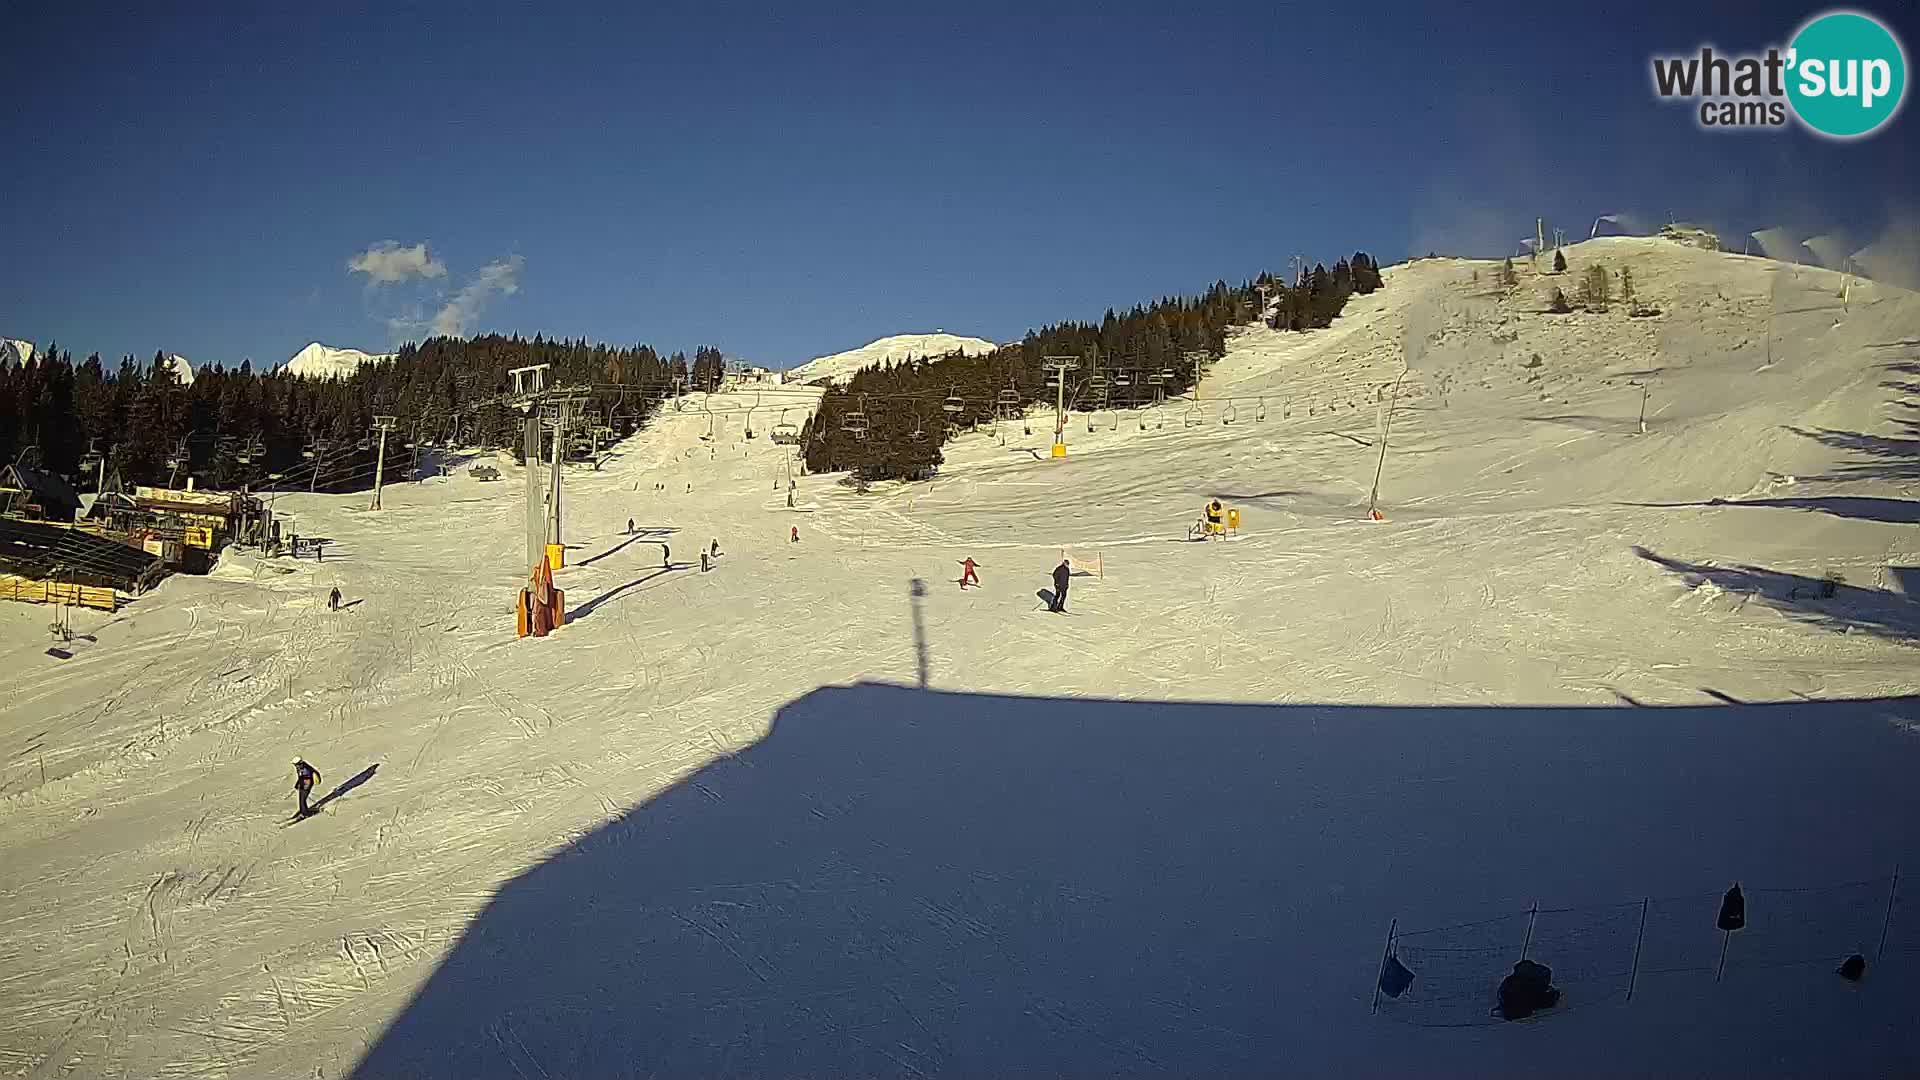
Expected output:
{"points": [[909, 882], [1832, 604], [1862, 507]]}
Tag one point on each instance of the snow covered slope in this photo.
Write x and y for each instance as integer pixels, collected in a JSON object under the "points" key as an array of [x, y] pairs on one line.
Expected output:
{"points": [[841, 366], [318, 361], [821, 811], [15, 352]]}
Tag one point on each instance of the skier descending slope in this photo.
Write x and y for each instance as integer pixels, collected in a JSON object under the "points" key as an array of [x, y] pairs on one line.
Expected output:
{"points": [[304, 777]]}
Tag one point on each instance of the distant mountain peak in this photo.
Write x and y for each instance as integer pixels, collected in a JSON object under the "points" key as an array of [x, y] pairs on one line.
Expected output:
{"points": [[318, 361], [181, 367], [841, 366]]}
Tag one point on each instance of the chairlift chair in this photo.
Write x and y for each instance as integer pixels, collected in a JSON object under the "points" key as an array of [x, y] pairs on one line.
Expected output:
{"points": [[855, 422], [784, 432], [1230, 415], [1260, 413], [955, 403]]}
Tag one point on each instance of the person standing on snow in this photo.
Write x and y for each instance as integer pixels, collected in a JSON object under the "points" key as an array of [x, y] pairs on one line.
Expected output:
{"points": [[703, 561], [333, 599], [716, 547], [795, 538], [967, 575], [304, 777], [629, 526], [1061, 575], [666, 557]]}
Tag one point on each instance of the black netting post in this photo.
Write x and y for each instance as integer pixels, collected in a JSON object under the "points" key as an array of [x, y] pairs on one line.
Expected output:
{"points": [[1887, 924], [1634, 975], [1385, 953]]}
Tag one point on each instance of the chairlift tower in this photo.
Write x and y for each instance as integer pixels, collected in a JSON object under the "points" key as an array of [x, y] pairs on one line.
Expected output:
{"points": [[529, 385], [381, 424], [1060, 365], [558, 409]]}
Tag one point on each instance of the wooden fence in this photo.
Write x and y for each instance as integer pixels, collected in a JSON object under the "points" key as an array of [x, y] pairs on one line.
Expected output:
{"points": [[30, 591]]}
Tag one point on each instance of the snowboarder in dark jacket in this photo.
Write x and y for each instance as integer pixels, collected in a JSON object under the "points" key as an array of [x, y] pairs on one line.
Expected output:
{"points": [[304, 777], [1061, 575]]}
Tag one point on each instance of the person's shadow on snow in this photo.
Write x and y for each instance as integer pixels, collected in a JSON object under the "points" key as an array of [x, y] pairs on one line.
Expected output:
{"points": [[352, 782]]}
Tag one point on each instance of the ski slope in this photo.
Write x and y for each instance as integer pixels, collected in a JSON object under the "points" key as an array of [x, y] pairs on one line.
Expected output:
{"points": [[796, 815]]}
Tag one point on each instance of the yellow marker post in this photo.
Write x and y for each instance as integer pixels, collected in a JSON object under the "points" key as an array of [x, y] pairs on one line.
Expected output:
{"points": [[1059, 449], [556, 556]]}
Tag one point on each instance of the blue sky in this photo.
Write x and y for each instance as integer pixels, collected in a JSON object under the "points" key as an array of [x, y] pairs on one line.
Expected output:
{"points": [[785, 184]]}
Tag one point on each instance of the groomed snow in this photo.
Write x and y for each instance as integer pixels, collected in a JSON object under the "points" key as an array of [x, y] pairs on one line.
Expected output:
{"points": [[841, 366], [717, 825]]}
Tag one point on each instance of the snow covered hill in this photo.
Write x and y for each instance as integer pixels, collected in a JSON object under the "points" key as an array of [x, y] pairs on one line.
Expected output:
{"points": [[318, 361], [841, 366], [821, 811], [15, 352]]}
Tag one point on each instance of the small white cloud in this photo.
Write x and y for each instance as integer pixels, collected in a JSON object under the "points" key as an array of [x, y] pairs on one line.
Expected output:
{"points": [[387, 262], [500, 276]]}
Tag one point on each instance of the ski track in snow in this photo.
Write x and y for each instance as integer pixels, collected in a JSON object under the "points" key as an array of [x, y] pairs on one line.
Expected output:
{"points": [[157, 920]]}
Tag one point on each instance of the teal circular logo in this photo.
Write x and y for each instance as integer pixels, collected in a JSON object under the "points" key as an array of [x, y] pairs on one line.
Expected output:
{"points": [[1847, 74]]}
